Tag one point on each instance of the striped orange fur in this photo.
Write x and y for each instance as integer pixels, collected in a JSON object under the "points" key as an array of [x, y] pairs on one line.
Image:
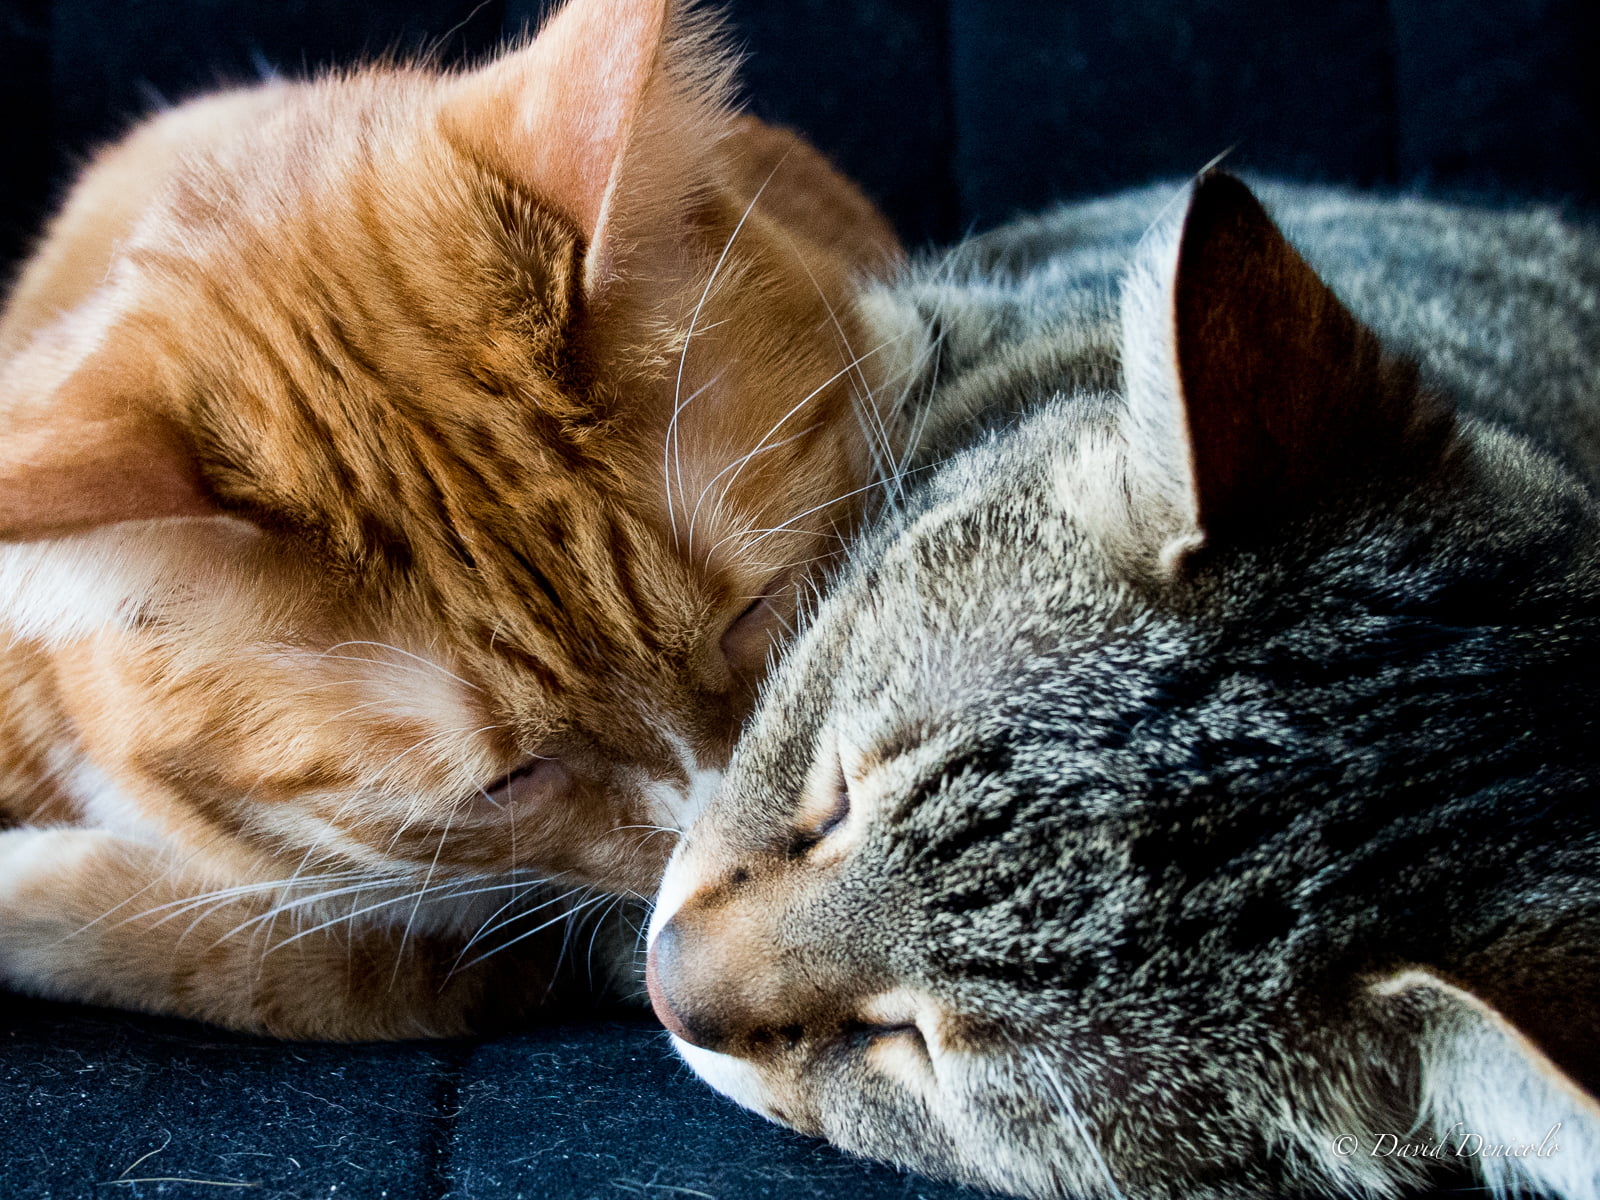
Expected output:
{"points": [[403, 477]]}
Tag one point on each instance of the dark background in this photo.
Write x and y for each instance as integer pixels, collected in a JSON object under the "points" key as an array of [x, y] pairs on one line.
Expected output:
{"points": [[954, 114]]}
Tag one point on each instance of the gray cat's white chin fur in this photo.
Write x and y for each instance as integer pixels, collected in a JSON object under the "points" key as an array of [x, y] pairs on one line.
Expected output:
{"points": [[733, 1077]]}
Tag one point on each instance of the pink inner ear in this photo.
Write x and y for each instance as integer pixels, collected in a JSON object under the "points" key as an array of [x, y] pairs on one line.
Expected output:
{"points": [[61, 480], [558, 114], [82, 455]]}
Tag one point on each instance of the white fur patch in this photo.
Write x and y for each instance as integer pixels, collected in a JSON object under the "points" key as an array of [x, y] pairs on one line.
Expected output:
{"points": [[674, 807], [27, 956], [26, 852], [678, 883], [733, 1077], [677, 808], [65, 588], [105, 805]]}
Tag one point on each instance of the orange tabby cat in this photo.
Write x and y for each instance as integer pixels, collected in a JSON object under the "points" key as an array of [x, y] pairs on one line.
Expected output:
{"points": [[403, 476]]}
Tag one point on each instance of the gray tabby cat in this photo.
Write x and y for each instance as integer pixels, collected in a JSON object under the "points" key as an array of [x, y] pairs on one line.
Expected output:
{"points": [[1189, 791]]}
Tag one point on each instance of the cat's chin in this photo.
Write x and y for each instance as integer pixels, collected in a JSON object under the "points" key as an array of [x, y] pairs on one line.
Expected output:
{"points": [[733, 1077]]}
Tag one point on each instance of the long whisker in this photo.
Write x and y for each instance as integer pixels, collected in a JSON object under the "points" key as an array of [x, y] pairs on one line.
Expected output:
{"points": [[405, 934], [490, 925], [427, 662], [567, 915], [171, 870], [657, 828], [315, 898], [358, 912], [789, 524], [879, 443], [670, 463], [211, 901], [929, 363], [1069, 1110], [738, 465], [890, 467], [185, 902], [599, 923]]}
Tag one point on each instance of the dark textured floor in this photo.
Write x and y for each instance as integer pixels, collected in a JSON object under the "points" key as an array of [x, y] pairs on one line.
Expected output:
{"points": [[107, 1104]]}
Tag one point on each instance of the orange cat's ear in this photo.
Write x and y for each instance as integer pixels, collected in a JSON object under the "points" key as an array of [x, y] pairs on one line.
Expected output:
{"points": [[80, 448], [607, 113], [1255, 388]]}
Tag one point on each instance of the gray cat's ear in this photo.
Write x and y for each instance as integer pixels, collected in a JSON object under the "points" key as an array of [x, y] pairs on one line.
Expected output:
{"points": [[1253, 393], [1510, 1075]]}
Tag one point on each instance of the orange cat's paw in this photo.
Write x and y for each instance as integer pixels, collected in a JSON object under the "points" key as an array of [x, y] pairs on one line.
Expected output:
{"points": [[46, 887]]}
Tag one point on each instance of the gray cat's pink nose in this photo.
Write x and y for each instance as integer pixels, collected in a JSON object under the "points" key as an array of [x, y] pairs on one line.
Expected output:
{"points": [[668, 996], [720, 976], [661, 947]]}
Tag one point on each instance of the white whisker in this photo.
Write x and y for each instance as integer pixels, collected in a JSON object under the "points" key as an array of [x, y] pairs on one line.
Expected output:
{"points": [[739, 466], [670, 463], [490, 925], [789, 524], [427, 662], [567, 915]]}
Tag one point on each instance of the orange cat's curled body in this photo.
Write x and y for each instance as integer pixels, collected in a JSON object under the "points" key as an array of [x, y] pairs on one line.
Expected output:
{"points": [[403, 478]]}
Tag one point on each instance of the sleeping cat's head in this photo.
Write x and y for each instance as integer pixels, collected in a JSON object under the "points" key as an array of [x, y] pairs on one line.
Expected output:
{"points": [[423, 430], [1044, 863]]}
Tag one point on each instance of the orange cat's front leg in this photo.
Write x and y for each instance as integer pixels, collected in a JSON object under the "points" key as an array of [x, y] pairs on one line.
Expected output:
{"points": [[90, 916]]}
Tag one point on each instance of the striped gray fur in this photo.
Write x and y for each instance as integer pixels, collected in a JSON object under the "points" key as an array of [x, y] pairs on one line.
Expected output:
{"points": [[1188, 851]]}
